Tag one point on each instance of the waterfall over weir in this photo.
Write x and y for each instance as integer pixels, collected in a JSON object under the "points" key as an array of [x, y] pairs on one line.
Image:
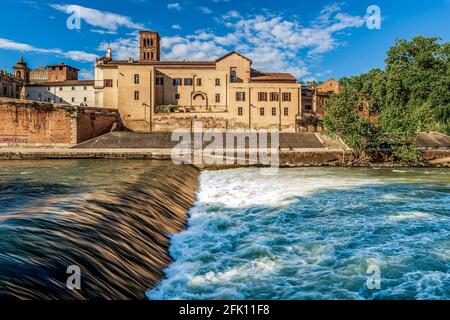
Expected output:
{"points": [[112, 219]]}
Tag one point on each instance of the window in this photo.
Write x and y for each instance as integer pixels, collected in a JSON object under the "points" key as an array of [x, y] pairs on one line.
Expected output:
{"points": [[60, 100], [233, 75], [177, 82], [274, 96], [217, 98], [286, 96], [286, 111], [136, 95], [108, 83], [261, 111], [136, 79], [48, 88], [73, 99], [85, 99], [188, 82], [60, 89], [177, 96], [84, 88], [240, 96], [262, 96], [160, 81], [274, 111], [308, 107], [73, 88], [240, 111], [199, 82], [217, 82]]}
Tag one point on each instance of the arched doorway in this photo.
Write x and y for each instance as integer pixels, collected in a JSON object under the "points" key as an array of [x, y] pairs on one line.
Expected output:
{"points": [[200, 100]]}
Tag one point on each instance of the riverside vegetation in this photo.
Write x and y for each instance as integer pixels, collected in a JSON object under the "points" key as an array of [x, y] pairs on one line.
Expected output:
{"points": [[411, 95]]}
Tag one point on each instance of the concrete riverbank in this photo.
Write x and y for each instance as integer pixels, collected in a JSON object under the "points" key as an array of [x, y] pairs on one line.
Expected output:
{"points": [[287, 158], [294, 150]]}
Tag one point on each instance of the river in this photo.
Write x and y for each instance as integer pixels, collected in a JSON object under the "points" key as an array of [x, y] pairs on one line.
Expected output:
{"points": [[313, 233], [303, 233]]}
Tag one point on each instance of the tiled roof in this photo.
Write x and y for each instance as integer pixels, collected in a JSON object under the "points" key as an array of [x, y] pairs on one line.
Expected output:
{"points": [[272, 76], [233, 52], [65, 83], [62, 64], [163, 63]]}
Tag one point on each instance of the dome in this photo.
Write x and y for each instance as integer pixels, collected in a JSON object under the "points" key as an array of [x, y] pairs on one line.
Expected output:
{"points": [[39, 75], [21, 63]]}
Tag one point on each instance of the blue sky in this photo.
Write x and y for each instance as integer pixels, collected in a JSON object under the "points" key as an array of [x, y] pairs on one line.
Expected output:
{"points": [[311, 39]]}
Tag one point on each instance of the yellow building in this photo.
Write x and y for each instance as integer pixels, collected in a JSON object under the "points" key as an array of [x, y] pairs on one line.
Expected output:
{"points": [[154, 95]]}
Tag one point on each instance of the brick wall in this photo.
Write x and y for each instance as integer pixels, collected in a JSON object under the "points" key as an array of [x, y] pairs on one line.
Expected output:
{"points": [[32, 124]]}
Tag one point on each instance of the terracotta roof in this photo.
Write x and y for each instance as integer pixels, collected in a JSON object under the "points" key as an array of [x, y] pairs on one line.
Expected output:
{"points": [[162, 63], [233, 52], [272, 76], [65, 83], [62, 64]]}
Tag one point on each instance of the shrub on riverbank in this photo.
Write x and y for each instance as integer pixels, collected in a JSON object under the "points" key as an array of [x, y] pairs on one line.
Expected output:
{"points": [[411, 95]]}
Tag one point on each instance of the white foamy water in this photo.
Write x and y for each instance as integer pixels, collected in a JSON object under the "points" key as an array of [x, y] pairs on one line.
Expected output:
{"points": [[310, 234]]}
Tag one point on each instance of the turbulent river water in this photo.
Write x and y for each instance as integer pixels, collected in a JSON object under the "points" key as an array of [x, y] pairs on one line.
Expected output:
{"points": [[313, 233], [306, 233]]}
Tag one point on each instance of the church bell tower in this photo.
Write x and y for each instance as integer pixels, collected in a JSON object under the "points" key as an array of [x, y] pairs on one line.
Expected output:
{"points": [[149, 46]]}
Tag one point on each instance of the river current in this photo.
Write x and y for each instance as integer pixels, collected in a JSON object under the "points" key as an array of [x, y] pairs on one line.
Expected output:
{"points": [[314, 233], [303, 233]]}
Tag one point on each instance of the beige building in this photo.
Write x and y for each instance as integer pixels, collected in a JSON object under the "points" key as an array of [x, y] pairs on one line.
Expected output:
{"points": [[149, 93]]}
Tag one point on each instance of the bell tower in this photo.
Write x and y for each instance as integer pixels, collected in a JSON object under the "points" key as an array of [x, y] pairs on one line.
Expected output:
{"points": [[21, 71], [149, 46]]}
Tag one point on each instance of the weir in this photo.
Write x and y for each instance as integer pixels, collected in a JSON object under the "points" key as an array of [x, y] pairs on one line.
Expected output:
{"points": [[116, 231]]}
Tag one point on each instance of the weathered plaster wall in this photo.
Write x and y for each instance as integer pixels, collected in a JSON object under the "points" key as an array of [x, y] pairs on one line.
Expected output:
{"points": [[26, 123]]}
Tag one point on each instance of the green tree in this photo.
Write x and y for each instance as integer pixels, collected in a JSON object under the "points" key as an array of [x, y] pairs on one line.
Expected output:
{"points": [[342, 118], [411, 95]]}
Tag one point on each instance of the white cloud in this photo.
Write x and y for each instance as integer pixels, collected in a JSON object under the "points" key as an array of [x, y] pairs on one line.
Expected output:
{"points": [[17, 46], [273, 42], [32, 4], [123, 48], [176, 27], [100, 19], [86, 74], [205, 10], [79, 56], [100, 31], [174, 6]]}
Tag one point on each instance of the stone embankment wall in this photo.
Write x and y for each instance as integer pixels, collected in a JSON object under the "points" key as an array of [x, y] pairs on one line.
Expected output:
{"points": [[220, 121], [33, 124]]}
